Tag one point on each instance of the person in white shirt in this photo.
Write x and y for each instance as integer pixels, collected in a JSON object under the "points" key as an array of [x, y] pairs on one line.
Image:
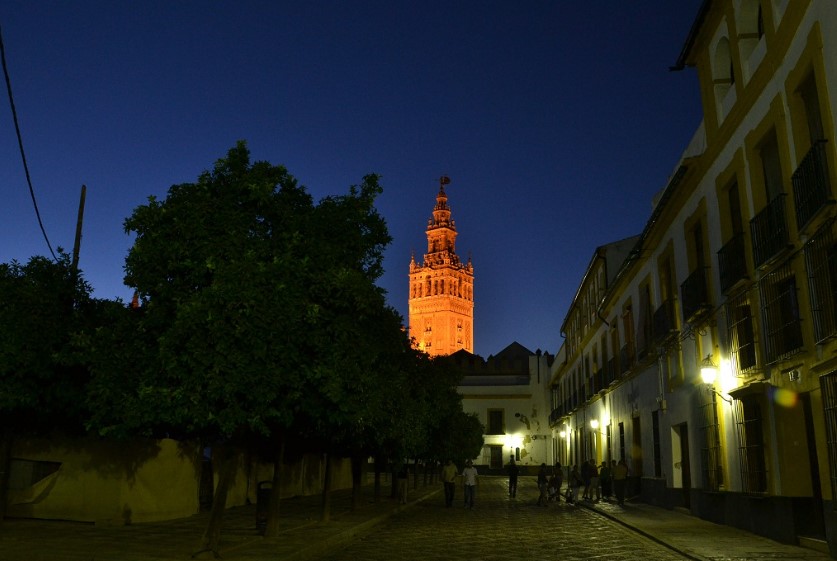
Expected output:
{"points": [[470, 480]]}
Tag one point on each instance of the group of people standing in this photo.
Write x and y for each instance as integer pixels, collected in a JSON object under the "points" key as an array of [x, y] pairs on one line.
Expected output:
{"points": [[592, 480], [604, 480]]}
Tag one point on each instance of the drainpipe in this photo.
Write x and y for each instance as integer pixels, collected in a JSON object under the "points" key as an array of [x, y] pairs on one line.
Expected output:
{"points": [[661, 399]]}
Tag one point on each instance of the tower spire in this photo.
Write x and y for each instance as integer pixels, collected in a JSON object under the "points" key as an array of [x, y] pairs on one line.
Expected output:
{"points": [[441, 305]]}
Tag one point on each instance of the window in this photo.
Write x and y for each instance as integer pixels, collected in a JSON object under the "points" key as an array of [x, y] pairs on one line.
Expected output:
{"points": [[780, 313], [821, 262], [495, 421], [742, 345], [629, 349], [751, 444], [658, 464], [646, 315], [609, 440], [732, 261], [811, 183], [622, 441], [771, 167], [829, 396], [813, 113]]}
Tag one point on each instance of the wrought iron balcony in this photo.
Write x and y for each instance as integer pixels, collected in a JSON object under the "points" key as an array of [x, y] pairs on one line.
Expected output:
{"points": [[769, 230], [626, 358], [664, 323], [611, 371], [694, 295], [732, 262], [811, 187]]}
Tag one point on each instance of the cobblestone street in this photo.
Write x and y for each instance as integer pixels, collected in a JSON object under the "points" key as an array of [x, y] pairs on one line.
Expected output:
{"points": [[500, 528]]}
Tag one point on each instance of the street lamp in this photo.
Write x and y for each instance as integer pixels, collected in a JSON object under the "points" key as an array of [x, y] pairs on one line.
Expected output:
{"points": [[708, 373]]}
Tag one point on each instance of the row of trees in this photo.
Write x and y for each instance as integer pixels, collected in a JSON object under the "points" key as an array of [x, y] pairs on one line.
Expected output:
{"points": [[258, 324]]}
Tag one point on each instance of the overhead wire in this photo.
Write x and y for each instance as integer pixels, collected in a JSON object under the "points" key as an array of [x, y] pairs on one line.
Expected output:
{"points": [[20, 143]]}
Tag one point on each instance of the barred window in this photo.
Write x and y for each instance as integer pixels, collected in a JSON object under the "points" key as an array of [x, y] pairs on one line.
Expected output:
{"points": [[828, 383], [711, 460], [742, 343], [751, 444], [780, 311], [821, 263]]}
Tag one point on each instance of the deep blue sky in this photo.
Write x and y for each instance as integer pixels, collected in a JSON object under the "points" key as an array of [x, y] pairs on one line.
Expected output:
{"points": [[556, 122]]}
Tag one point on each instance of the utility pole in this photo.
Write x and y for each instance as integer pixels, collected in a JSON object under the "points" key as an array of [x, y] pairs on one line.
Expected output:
{"points": [[77, 244]]}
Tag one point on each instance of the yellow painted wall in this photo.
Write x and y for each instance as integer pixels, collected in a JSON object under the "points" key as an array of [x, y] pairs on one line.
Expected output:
{"points": [[144, 480]]}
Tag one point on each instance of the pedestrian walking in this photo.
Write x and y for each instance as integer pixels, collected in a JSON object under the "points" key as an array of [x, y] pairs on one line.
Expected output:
{"points": [[470, 480], [605, 476], [402, 484], [574, 483], [558, 473], [449, 482], [542, 482], [585, 477], [620, 480], [594, 481], [513, 471]]}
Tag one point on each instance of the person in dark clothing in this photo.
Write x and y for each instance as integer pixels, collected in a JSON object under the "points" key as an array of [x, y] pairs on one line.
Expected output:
{"points": [[542, 481], [514, 471]]}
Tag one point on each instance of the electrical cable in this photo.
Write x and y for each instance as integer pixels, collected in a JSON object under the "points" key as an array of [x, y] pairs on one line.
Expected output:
{"points": [[20, 144]]}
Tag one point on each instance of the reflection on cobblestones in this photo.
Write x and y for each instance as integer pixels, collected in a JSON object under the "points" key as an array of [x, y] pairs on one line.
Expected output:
{"points": [[502, 529]]}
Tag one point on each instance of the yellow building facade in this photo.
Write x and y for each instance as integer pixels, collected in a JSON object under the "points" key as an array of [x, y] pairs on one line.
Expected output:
{"points": [[709, 363], [441, 295]]}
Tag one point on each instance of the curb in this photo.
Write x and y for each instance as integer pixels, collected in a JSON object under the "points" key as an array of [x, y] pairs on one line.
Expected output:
{"points": [[641, 532]]}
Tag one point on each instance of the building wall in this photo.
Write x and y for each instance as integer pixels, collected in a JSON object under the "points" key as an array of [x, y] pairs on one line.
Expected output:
{"points": [[755, 439], [110, 482]]}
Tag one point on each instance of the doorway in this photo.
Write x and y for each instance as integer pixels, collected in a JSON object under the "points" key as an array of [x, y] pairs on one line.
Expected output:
{"points": [[496, 461], [682, 464]]}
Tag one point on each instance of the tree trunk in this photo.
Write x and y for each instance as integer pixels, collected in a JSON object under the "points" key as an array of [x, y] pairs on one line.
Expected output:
{"points": [[357, 480], [272, 528], [378, 479], [326, 513], [212, 536], [5, 465]]}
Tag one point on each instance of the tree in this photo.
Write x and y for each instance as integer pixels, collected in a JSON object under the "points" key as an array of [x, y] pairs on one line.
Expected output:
{"points": [[251, 296], [45, 308]]}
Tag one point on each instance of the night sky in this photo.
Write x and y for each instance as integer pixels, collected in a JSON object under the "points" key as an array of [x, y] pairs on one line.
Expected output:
{"points": [[556, 122]]}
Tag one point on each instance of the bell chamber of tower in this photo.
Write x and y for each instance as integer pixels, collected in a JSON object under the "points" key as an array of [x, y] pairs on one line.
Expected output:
{"points": [[441, 297]]}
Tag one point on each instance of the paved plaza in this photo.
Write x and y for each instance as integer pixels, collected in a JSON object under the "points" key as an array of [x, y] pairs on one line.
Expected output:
{"points": [[498, 528], [503, 529]]}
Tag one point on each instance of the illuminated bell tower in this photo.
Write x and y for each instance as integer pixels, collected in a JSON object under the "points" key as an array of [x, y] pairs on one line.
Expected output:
{"points": [[441, 311]]}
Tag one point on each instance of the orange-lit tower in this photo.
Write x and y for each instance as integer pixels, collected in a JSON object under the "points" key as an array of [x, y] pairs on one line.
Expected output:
{"points": [[442, 288]]}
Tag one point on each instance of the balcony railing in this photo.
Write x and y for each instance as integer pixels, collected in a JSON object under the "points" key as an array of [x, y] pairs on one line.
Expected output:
{"points": [[664, 326], [626, 358], [811, 187], [732, 262], [769, 230], [694, 295], [611, 371]]}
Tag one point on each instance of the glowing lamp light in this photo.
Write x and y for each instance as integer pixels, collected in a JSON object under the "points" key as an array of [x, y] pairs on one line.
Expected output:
{"points": [[708, 370], [563, 434], [594, 424]]}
